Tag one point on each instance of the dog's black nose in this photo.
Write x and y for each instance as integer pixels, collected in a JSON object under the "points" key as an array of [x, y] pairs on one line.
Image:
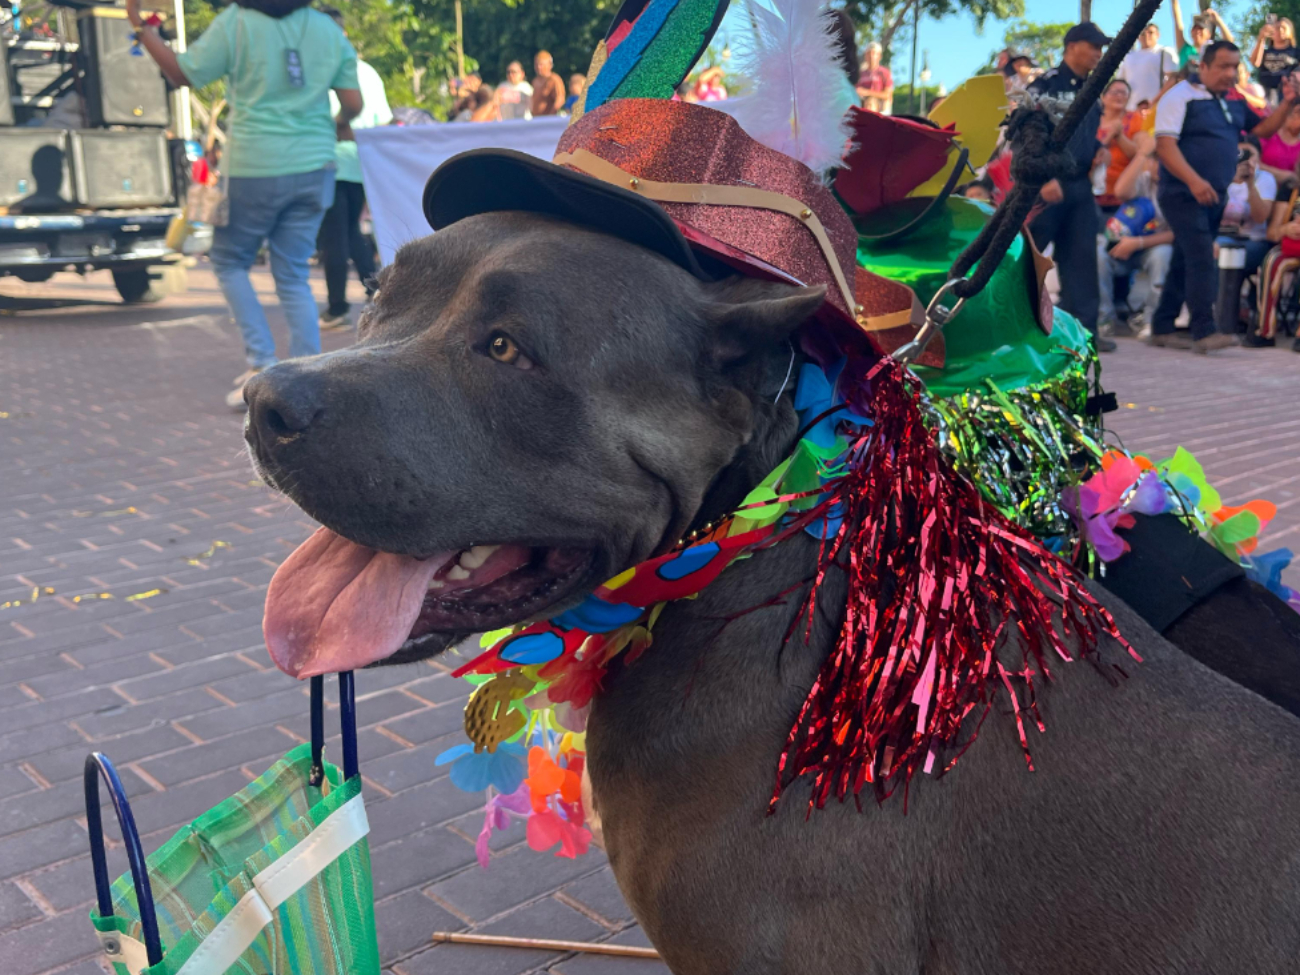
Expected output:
{"points": [[283, 402]]}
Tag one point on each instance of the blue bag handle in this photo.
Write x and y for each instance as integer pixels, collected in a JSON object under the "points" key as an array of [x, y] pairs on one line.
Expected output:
{"points": [[98, 765], [347, 718]]}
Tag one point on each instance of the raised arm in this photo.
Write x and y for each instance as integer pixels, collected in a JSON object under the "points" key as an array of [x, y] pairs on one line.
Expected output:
{"points": [[1126, 184], [1257, 52], [1260, 208], [1280, 223], [1274, 122], [1180, 39], [152, 42], [1223, 28]]}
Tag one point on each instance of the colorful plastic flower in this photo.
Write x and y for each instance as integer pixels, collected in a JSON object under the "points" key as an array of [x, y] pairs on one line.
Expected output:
{"points": [[547, 778], [496, 816], [581, 680], [1267, 569], [1150, 497], [1185, 475], [1234, 531], [1108, 500], [1096, 524], [473, 771], [547, 828]]}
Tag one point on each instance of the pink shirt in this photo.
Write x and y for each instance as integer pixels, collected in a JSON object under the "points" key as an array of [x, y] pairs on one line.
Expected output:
{"points": [[1276, 153]]}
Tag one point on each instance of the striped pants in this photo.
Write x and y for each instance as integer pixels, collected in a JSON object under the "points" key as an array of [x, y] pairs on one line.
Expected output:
{"points": [[1273, 275]]}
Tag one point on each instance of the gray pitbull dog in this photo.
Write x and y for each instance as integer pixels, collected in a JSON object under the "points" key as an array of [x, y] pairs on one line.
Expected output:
{"points": [[567, 399]]}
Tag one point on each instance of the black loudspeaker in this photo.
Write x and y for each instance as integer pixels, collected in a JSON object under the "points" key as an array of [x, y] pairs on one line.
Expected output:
{"points": [[121, 88], [6, 101], [34, 170], [121, 169]]}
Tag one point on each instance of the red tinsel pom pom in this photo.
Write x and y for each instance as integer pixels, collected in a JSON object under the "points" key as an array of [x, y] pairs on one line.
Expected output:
{"points": [[938, 579]]}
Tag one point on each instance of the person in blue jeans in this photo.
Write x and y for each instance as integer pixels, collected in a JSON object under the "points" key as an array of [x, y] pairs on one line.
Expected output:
{"points": [[1198, 127], [280, 59]]}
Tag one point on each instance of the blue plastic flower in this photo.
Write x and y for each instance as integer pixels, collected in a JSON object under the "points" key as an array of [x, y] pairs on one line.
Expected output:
{"points": [[1267, 568], [815, 394], [473, 771]]}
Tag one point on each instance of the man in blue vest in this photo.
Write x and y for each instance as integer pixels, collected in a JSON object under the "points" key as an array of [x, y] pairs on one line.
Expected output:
{"points": [[1070, 219], [1198, 126]]}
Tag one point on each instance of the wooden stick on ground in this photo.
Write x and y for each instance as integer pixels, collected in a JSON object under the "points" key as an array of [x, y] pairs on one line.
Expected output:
{"points": [[545, 944]]}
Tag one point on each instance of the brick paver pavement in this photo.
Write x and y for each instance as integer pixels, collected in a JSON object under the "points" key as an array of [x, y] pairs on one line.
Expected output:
{"points": [[130, 509]]}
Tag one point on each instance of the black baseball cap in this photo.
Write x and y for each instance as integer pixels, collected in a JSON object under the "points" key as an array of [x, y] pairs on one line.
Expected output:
{"points": [[1088, 32]]}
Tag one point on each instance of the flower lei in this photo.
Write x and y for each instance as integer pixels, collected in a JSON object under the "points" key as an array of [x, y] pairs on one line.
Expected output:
{"points": [[1128, 485], [548, 672]]}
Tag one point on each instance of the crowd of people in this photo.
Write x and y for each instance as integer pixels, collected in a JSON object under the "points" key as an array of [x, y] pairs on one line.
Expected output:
{"points": [[1191, 152], [1194, 148], [546, 94], [516, 97]]}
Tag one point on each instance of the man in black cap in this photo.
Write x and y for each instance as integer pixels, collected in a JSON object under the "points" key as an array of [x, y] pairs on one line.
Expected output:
{"points": [[1070, 220]]}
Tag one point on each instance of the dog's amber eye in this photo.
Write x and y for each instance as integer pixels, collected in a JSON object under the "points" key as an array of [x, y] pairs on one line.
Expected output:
{"points": [[505, 350]]}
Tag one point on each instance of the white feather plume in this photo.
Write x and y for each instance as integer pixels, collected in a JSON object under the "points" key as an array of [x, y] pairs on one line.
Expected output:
{"points": [[799, 94]]}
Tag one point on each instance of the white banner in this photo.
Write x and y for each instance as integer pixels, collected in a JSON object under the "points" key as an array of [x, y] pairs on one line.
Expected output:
{"points": [[396, 161]]}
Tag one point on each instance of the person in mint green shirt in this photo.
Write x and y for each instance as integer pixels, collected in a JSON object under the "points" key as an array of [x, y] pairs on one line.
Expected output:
{"points": [[340, 231], [281, 59]]}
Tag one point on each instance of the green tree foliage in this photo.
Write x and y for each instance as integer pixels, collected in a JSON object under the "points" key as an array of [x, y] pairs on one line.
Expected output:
{"points": [[880, 20], [500, 31], [414, 56], [1042, 42], [906, 104]]}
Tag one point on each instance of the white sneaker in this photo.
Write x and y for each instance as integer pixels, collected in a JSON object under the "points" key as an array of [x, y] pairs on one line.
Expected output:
{"points": [[235, 398], [335, 323]]}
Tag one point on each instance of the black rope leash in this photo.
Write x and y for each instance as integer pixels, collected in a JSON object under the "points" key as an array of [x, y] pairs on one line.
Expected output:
{"points": [[1038, 156]]}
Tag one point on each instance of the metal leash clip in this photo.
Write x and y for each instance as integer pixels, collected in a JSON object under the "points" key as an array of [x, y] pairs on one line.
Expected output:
{"points": [[937, 315]]}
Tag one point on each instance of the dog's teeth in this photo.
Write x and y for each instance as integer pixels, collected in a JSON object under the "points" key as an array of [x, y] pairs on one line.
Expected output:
{"points": [[457, 574], [436, 584], [476, 556]]}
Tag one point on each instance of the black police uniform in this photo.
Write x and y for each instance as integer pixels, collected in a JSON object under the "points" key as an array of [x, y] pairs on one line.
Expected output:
{"points": [[1072, 224]]}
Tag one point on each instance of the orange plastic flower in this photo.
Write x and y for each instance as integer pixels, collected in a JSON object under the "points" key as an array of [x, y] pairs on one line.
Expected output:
{"points": [[545, 778]]}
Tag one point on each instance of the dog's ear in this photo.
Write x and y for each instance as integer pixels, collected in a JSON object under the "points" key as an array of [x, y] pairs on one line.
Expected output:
{"points": [[748, 316]]}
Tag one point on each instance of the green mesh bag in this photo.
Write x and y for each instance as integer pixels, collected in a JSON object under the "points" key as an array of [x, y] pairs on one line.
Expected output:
{"points": [[273, 881]]}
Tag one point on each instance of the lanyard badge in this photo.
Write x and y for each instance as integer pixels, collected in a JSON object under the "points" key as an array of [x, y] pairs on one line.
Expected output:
{"points": [[293, 64]]}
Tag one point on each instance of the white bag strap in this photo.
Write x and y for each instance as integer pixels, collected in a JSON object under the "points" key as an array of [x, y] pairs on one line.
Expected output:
{"points": [[221, 949]]}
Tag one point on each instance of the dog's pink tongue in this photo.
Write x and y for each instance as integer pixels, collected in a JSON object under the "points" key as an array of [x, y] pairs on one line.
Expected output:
{"points": [[335, 605]]}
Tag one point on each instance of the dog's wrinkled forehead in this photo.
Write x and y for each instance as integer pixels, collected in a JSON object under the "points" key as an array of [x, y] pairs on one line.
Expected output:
{"points": [[566, 286]]}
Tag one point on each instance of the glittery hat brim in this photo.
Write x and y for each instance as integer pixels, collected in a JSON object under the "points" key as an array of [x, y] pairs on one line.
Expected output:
{"points": [[493, 180]]}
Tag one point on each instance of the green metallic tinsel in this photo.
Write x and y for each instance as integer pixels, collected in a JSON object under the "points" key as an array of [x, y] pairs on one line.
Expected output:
{"points": [[1023, 447]]}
